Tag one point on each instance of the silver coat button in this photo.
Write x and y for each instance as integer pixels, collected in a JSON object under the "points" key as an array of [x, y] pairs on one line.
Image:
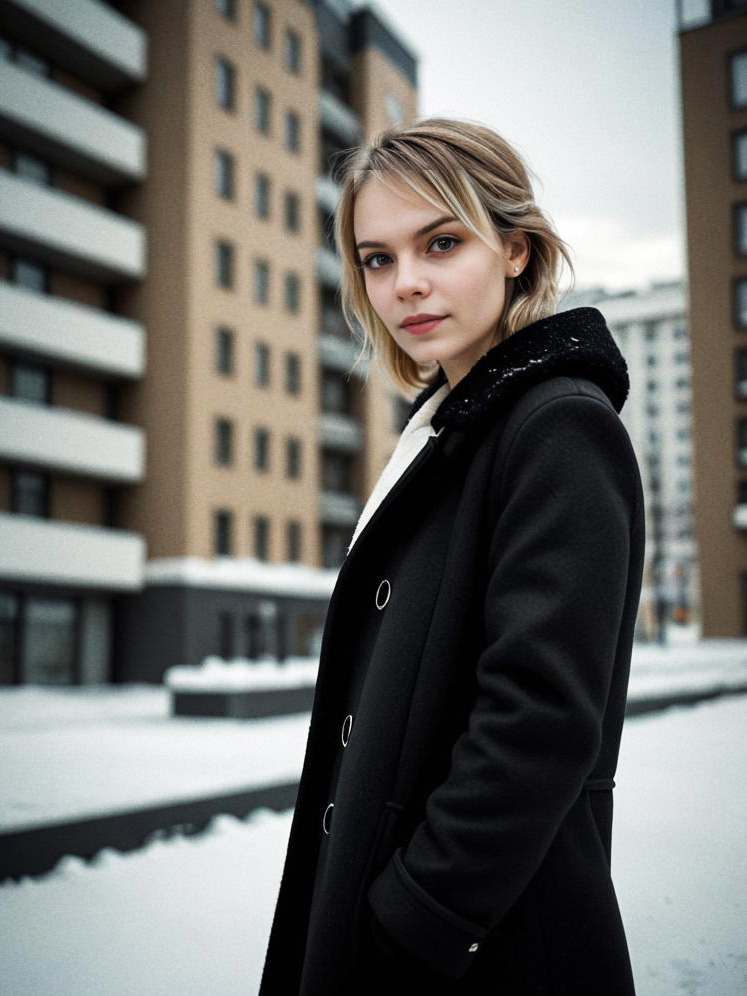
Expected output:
{"points": [[347, 726], [382, 594], [327, 818]]}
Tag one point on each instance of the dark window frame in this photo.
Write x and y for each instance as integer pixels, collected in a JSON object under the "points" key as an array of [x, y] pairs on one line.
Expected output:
{"points": [[262, 195], [261, 289], [224, 166], [293, 541], [223, 441], [41, 368], [738, 208], [223, 519], [226, 9], [292, 292], [293, 51], [263, 110], [225, 84], [14, 260], [261, 443], [14, 496], [225, 264], [262, 372], [292, 131], [225, 351], [740, 133], [730, 56], [736, 281], [292, 211], [262, 25], [293, 457], [261, 527], [293, 372]]}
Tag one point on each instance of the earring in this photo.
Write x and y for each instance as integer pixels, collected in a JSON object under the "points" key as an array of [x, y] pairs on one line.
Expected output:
{"points": [[516, 269]]}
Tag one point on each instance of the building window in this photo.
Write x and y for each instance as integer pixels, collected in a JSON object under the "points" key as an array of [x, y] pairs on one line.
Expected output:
{"points": [[740, 229], [292, 292], [31, 62], [222, 532], [262, 110], [224, 353], [292, 373], [740, 302], [262, 195], [226, 8], [26, 273], [738, 79], [742, 492], [293, 541], [261, 364], [293, 457], [32, 168], [651, 360], [335, 393], [261, 449], [262, 24], [292, 51], [224, 174], [225, 84], [50, 641], [225, 635], [224, 264], [261, 281], [223, 442], [291, 211], [9, 632], [292, 131], [261, 537], [741, 371], [739, 154], [336, 472], [29, 493], [30, 382]]}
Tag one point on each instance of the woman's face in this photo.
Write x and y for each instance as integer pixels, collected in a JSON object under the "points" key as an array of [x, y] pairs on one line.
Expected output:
{"points": [[416, 263]]}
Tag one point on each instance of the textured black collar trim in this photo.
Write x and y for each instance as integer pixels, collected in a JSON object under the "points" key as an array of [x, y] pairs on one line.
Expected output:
{"points": [[574, 343]]}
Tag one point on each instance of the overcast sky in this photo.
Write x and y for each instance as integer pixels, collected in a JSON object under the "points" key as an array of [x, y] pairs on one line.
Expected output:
{"points": [[588, 91]]}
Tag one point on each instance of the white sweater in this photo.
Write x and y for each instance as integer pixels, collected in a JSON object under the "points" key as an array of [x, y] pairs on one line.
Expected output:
{"points": [[414, 437]]}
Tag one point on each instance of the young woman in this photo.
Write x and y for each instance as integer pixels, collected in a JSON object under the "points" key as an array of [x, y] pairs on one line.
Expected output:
{"points": [[453, 822]]}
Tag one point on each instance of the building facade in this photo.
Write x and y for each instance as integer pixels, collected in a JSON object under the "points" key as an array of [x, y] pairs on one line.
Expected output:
{"points": [[713, 71], [651, 329], [184, 451]]}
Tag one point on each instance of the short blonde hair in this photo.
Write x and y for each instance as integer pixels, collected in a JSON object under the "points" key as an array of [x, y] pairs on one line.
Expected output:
{"points": [[469, 170]]}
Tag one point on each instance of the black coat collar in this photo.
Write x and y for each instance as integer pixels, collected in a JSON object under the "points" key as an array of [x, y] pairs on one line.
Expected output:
{"points": [[572, 343]]}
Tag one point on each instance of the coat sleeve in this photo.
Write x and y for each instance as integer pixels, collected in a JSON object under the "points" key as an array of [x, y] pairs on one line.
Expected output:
{"points": [[558, 574]]}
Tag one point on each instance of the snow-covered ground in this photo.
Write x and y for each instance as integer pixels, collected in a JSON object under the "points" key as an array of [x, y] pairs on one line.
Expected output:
{"points": [[191, 915], [74, 752]]}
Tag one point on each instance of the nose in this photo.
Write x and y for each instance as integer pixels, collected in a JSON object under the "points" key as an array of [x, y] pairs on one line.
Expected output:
{"points": [[410, 278]]}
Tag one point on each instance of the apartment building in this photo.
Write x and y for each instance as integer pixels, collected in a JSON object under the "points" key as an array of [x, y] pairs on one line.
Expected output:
{"points": [[713, 71], [261, 445], [650, 327], [67, 453]]}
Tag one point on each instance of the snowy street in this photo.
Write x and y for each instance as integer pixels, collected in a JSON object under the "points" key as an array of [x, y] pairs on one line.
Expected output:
{"points": [[190, 915]]}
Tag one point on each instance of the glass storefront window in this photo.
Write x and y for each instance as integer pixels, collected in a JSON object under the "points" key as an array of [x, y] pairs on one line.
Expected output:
{"points": [[49, 641]]}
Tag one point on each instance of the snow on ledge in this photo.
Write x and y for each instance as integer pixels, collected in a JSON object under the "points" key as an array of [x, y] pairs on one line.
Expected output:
{"points": [[242, 675], [242, 573]]}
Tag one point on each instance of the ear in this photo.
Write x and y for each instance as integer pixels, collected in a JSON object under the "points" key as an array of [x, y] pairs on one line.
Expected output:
{"points": [[516, 251]]}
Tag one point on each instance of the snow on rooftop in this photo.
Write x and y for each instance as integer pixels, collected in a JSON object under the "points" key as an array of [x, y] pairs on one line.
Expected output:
{"points": [[242, 573]]}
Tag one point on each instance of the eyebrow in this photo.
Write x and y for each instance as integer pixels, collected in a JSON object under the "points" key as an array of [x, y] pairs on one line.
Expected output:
{"points": [[420, 231]]}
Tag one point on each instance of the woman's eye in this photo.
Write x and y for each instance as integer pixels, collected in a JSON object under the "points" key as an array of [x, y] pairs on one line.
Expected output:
{"points": [[445, 238], [369, 260]]}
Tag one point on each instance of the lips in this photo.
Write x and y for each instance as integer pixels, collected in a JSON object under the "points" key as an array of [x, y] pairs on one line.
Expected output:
{"points": [[420, 324]]}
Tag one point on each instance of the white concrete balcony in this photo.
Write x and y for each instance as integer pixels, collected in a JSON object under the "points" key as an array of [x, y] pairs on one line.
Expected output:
{"points": [[340, 432], [74, 442], [338, 118], [69, 232], [739, 516], [67, 129], [89, 38], [327, 193], [45, 551], [64, 333], [336, 353], [339, 509], [328, 267]]}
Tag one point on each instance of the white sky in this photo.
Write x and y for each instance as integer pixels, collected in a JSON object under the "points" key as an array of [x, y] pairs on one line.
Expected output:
{"points": [[588, 91]]}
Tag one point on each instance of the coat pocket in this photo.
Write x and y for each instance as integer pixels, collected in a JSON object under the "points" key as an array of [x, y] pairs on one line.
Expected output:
{"points": [[381, 850]]}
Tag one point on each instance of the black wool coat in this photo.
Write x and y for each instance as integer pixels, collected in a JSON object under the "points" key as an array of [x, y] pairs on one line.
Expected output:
{"points": [[453, 822]]}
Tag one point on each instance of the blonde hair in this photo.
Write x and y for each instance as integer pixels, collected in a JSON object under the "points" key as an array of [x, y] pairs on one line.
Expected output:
{"points": [[475, 174]]}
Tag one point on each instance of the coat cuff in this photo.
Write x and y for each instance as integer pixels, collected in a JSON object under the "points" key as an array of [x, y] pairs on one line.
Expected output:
{"points": [[421, 925]]}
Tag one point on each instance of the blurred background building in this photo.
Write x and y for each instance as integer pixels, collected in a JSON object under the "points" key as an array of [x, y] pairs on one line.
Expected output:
{"points": [[183, 453], [713, 72], [650, 327]]}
